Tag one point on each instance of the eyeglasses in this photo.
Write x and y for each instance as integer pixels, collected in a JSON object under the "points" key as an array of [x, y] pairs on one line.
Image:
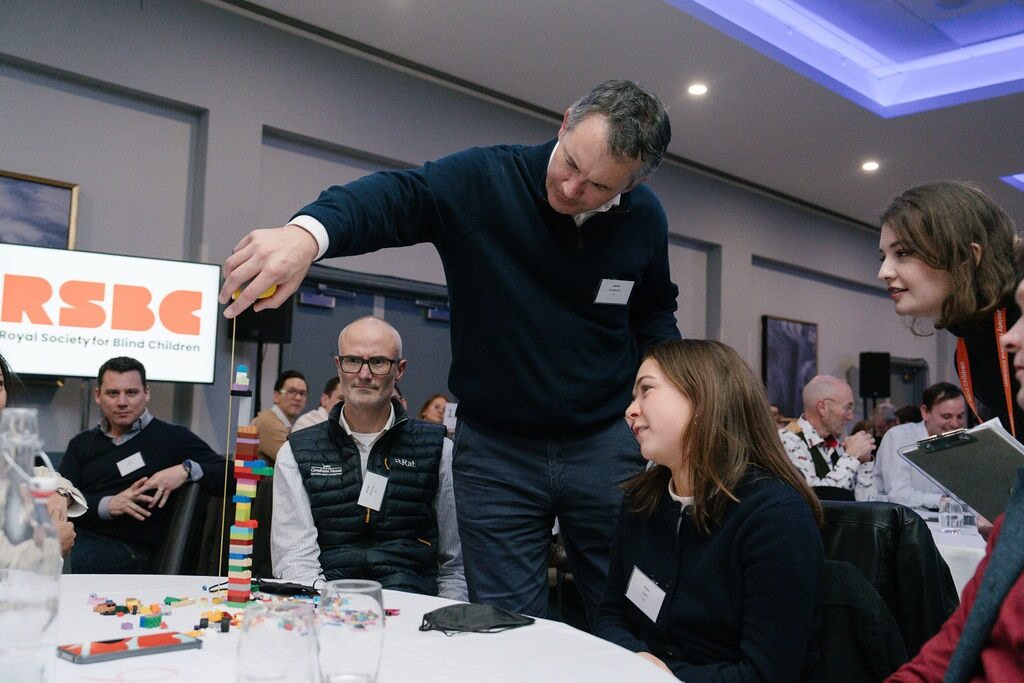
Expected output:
{"points": [[379, 365], [301, 393]]}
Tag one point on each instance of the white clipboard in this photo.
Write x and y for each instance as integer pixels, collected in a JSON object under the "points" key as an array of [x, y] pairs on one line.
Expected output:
{"points": [[976, 465]]}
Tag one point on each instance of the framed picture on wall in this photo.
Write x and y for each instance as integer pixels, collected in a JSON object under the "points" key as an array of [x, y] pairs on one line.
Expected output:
{"points": [[37, 212], [789, 359]]}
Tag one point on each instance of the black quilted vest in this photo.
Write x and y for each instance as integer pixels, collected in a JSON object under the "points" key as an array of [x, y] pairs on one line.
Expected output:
{"points": [[396, 546]]}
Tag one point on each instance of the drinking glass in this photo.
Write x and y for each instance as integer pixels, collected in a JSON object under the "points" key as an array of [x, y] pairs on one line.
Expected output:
{"points": [[951, 516], [351, 621], [277, 643]]}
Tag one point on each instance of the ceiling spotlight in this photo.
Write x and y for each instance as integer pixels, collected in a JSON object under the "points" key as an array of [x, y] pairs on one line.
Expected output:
{"points": [[870, 166], [697, 89]]}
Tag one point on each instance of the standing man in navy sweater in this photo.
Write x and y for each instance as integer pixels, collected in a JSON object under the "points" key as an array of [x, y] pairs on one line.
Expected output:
{"points": [[127, 467], [556, 259]]}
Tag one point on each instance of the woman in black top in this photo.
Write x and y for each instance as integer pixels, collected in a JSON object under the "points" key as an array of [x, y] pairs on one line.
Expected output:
{"points": [[947, 254], [717, 559]]}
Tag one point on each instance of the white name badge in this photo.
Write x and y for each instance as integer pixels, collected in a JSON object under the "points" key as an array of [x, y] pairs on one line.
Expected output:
{"points": [[614, 292], [373, 491], [130, 464], [645, 594]]}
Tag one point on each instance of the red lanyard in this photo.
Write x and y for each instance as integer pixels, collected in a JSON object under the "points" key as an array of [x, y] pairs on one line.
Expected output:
{"points": [[963, 370]]}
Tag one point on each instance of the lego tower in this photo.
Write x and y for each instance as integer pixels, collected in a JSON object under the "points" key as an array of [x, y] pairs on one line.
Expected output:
{"points": [[249, 469]]}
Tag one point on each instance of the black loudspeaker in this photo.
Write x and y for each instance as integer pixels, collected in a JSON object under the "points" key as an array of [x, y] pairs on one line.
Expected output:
{"points": [[874, 375], [269, 325]]}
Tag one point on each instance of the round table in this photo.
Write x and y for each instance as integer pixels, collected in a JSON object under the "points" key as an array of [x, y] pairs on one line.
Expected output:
{"points": [[544, 651], [962, 551]]}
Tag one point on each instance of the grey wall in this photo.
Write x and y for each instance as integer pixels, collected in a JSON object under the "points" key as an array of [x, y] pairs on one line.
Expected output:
{"points": [[178, 120]]}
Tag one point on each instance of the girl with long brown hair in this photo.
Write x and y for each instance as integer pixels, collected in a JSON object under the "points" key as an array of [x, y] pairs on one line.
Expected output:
{"points": [[717, 558]]}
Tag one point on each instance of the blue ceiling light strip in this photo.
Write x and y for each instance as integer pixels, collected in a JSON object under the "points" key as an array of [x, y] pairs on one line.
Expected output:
{"points": [[880, 55], [1014, 181]]}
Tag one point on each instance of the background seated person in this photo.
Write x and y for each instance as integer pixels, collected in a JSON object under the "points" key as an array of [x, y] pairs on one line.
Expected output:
{"points": [[717, 557], [274, 423], [327, 524], [328, 399], [813, 441], [433, 409], [128, 466], [66, 502], [942, 410]]}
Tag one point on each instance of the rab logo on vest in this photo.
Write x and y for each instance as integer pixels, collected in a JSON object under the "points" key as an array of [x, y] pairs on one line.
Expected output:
{"points": [[405, 462], [325, 471]]}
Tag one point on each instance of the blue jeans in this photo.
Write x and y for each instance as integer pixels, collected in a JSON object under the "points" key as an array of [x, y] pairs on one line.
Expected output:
{"points": [[96, 554], [508, 491]]}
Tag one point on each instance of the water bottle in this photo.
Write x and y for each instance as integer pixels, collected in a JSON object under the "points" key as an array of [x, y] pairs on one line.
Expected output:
{"points": [[30, 557]]}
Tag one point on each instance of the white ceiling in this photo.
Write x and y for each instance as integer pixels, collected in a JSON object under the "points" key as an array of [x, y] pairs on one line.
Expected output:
{"points": [[760, 121]]}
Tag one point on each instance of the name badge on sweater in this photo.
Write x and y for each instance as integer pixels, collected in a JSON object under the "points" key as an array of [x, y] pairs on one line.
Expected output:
{"points": [[614, 292], [373, 491], [131, 463], [645, 594]]}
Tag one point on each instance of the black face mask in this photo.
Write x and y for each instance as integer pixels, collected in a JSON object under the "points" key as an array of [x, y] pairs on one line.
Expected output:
{"points": [[470, 618]]}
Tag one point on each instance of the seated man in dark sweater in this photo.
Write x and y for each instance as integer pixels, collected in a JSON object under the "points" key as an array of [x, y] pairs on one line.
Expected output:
{"points": [[127, 467]]}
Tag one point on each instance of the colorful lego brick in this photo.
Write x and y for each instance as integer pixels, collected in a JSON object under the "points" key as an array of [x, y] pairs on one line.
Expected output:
{"points": [[127, 626], [247, 524], [168, 600], [150, 620]]}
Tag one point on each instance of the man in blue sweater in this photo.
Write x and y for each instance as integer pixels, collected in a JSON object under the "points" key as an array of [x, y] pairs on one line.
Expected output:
{"points": [[127, 467], [556, 260]]}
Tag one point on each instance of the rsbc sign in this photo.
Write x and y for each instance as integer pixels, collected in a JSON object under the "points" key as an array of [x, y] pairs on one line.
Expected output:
{"points": [[86, 305]]}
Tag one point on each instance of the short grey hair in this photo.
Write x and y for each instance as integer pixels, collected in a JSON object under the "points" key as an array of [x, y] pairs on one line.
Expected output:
{"points": [[638, 125]]}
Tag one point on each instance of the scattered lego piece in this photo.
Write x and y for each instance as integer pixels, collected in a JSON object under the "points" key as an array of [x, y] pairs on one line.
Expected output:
{"points": [[150, 621], [127, 626], [163, 624], [204, 623], [392, 612], [225, 626], [170, 601]]}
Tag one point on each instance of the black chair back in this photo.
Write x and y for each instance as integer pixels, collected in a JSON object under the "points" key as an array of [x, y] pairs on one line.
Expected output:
{"points": [[894, 550], [860, 639], [170, 558], [833, 493]]}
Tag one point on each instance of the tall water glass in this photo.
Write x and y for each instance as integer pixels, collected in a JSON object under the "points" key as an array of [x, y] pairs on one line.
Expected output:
{"points": [[351, 620], [277, 643], [951, 516]]}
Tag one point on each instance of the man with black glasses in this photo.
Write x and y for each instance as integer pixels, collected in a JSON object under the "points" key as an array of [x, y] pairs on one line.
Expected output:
{"points": [[368, 493], [274, 423]]}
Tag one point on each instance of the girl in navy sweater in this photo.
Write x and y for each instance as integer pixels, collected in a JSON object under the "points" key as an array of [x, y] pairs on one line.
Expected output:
{"points": [[717, 559]]}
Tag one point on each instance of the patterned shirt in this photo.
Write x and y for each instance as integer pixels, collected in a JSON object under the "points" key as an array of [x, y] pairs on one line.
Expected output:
{"points": [[847, 472]]}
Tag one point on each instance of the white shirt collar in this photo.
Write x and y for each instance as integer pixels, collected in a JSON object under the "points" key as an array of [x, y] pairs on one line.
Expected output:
{"points": [[373, 436], [281, 416], [582, 218]]}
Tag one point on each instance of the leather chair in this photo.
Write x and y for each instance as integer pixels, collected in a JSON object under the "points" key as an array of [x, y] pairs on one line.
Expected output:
{"points": [[170, 558], [894, 550], [860, 640]]}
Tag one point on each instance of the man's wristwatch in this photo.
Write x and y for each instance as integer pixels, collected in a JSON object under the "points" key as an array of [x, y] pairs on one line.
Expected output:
{"points": [[187, 464]]}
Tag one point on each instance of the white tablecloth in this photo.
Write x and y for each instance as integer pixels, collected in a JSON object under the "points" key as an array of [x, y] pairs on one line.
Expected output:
{"points": [[962, 552], [544, 651]]}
